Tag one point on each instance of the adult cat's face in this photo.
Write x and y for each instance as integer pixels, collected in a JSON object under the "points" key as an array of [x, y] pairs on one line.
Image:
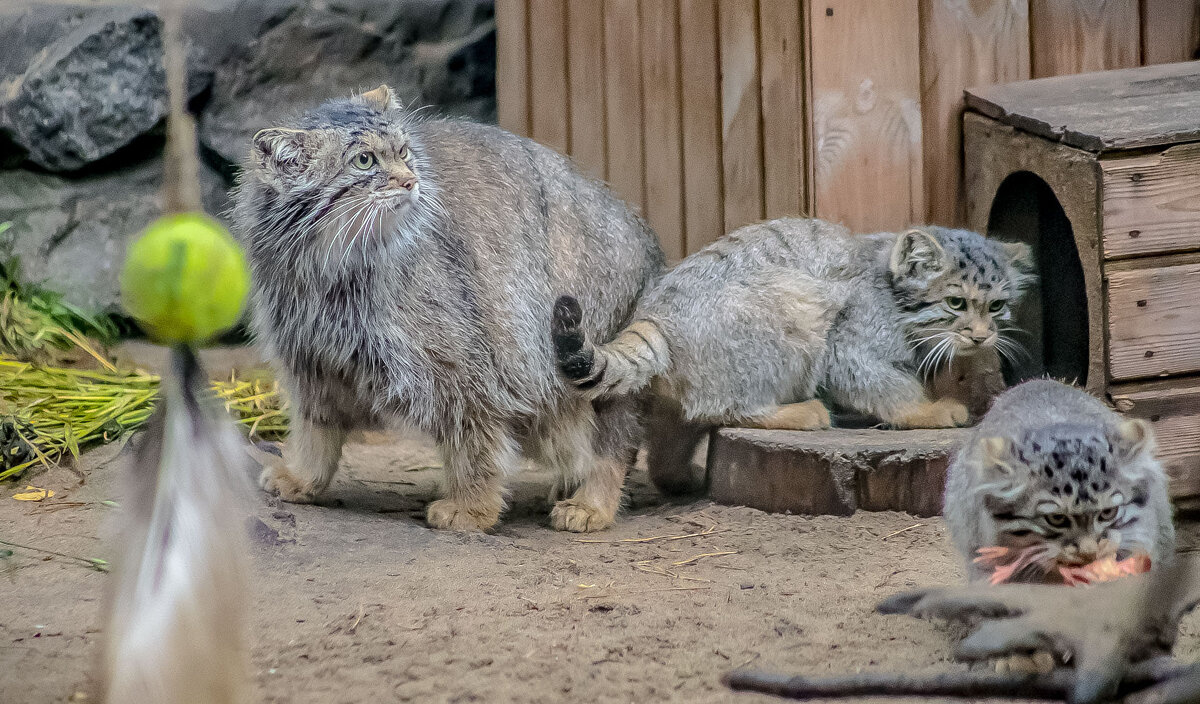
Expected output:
{"points": [[957, 290], [349, 172]]}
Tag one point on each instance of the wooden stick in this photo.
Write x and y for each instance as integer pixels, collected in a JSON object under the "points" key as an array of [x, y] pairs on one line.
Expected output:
{"points": [[181, 167], [1055, 685]]}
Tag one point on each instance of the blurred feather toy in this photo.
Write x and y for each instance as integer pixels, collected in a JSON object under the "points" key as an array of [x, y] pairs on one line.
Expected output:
{"points": [[174, 612]]}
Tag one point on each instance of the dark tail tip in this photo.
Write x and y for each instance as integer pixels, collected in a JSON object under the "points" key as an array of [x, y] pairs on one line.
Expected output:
{"points": [[567, 315], [574, 357]]}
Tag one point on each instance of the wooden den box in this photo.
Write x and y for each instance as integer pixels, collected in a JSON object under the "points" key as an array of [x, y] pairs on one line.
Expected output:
{"points": [[1100, 173]]}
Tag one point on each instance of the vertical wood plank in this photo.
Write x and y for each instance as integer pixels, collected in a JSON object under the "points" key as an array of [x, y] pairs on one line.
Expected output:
{"points": [[1079, 36], [623, 99], [585, 78], [661, 107], [740, 112], [1170, 30], [548, 82], [783, 109], [963, 44], [704, 214], [512, 65], [866, 113]]}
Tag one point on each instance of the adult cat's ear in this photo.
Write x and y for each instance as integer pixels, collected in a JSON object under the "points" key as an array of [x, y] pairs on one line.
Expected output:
{"points": [[916, 254], [1134, 438], [1020, 255], [381, 98], [280, 150], [995, 458]]}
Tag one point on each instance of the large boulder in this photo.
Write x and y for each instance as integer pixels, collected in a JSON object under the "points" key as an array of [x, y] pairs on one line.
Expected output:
{"points": [[69, 235], [90, 91], [439, 52]]}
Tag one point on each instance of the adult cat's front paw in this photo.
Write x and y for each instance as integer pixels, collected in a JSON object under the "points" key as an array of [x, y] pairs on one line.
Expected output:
{"points": [[943, 413], [579, 517], [277, 479], [447, 514]]}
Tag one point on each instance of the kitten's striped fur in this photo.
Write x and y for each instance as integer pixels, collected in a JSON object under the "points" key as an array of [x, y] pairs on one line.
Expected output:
{"points": [[754, 328]]}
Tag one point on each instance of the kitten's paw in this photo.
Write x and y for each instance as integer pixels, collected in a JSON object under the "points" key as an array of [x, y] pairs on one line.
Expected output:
{"points": [[943, 413], [1039, 662], [579, 517], [278, 480], [447, 514], [807, 415]]}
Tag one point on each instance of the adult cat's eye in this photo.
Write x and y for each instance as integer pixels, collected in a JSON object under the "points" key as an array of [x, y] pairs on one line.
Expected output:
{"points": [[404, 152], [1107, 514], [1057, 520], [996, 306], [956, 303], [364, 160]]}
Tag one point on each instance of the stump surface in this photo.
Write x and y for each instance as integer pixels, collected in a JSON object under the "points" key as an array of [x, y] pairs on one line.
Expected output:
{"points": [[832, 471]]}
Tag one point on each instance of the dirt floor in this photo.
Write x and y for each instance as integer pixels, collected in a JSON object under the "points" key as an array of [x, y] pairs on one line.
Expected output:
{"points": [[355, 600]]}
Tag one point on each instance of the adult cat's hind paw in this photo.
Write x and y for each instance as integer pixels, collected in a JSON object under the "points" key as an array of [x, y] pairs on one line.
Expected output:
{"points": [[943, 413], [447, 514], [276, 479], [578, 517]]}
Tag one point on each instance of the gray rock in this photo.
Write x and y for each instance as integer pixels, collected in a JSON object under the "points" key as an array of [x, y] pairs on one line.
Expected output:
{"points": [[69, 235], [438, 52], [90, 91]]}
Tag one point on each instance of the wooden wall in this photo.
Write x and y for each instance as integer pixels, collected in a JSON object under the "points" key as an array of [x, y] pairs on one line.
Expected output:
{"points": [[709, 114]]}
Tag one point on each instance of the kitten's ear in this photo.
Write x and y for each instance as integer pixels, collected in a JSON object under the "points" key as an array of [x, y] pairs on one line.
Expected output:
{"points": [[381, 98], [1020, 255], [995, 458], [1134, 438], [280, 150], [916, 254]]}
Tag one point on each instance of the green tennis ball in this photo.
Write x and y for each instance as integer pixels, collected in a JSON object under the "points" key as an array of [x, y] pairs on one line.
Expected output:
{"points": [[185, 279]]}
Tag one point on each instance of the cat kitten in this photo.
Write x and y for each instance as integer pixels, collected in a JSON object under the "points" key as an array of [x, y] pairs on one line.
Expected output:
{"points": [[753, 328], [1052, 466], [403, 269]]}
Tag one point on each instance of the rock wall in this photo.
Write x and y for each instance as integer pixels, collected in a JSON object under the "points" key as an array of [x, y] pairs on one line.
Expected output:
{"points": [[82, 102]]}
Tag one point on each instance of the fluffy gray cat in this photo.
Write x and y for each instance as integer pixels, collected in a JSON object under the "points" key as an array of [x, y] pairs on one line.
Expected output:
{"points": [[1051, 466], [753, 328], [404, 269]]}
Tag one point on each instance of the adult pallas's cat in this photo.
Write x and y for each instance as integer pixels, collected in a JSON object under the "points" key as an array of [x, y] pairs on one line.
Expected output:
{"points": [[404, 268], [757, 327]]}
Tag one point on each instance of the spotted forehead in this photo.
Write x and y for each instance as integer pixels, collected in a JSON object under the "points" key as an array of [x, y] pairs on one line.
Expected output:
{"points": [[979, 267], [1077, 467]]}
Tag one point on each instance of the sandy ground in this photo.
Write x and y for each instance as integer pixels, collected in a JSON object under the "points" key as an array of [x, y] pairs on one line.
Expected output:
{"points": [[355, 600]]}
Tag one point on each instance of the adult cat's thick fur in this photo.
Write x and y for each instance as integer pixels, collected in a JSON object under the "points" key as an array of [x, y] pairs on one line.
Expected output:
{"points": [[752, 328], [1051, 465], [405, 268]]}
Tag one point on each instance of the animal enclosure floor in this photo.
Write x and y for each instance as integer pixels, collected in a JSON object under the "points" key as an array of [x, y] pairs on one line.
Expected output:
{"points": [[357, 601]]}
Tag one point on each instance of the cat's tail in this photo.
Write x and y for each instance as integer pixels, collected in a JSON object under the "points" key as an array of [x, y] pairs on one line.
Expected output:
{"points": [[625, 365]]}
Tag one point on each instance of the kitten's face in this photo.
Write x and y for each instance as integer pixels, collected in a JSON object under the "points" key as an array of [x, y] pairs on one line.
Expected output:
{"points": [[350, 175], [1071, 489], [957, 290]]}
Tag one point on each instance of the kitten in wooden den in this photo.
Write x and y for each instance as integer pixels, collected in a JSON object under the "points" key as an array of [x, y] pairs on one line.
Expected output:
{"points": [[764, 326], [404, 268]]}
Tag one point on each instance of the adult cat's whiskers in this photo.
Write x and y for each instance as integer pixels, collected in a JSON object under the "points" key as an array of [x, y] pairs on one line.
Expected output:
{"points": [[361, 218], [343, 210]]}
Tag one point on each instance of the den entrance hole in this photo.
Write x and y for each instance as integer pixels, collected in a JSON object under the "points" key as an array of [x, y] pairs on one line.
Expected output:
{"points": [[1054, 312]]}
